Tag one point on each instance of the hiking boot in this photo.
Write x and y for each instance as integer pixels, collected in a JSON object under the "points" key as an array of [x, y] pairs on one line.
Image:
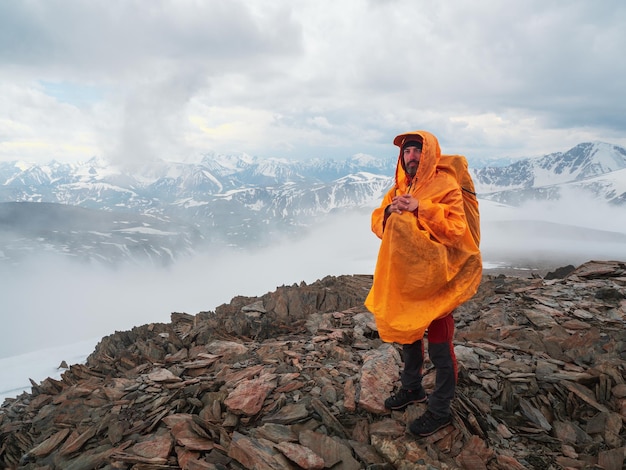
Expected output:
{"points": [[404, 397], [428, 424]]}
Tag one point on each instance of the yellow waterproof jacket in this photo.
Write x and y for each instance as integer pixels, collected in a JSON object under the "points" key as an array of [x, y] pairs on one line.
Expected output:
{"points": [[428, 263]]}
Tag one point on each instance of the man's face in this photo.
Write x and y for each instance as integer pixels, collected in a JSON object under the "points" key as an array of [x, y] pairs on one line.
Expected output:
{"points": [[411, 157]]}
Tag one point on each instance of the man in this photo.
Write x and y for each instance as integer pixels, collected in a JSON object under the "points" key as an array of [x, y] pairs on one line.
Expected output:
{"points": [[428, 264]]}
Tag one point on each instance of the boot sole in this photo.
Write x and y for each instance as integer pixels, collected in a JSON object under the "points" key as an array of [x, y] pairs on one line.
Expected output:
{"points": [[402, 407]]}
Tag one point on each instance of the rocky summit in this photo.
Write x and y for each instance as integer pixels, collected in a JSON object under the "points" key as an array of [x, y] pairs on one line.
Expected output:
{"points": [[296, 379]]}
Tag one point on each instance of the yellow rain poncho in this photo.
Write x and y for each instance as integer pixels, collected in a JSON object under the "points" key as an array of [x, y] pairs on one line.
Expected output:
{"points": [[428, 264]]}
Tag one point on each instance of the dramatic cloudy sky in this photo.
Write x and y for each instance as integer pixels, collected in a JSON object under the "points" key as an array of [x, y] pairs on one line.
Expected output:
{"points": [[173, 79]]}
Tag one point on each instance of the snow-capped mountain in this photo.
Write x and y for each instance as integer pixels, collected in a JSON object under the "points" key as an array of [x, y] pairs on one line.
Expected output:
{"points": [[163, 210], [596, 168]]}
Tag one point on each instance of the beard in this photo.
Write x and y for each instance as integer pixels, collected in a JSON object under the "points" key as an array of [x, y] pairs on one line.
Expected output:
{"points": [[411, 168]]}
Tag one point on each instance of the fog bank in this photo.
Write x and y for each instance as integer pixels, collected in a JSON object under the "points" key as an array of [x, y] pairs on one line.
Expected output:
{"points": [[53, 301]]}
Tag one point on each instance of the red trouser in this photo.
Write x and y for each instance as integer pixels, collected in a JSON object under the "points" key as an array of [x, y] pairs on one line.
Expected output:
{"points": [[441, 353]]}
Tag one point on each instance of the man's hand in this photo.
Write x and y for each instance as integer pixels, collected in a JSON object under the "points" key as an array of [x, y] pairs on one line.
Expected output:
{"points": [[400, 204]]}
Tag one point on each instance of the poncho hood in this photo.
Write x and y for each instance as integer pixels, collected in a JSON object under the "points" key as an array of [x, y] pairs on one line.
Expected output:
{"points": [[431, 153]]}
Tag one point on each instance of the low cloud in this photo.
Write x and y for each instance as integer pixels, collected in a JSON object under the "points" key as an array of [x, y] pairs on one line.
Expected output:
{"points": [[572, 230], [49, 302], [53, 301]]}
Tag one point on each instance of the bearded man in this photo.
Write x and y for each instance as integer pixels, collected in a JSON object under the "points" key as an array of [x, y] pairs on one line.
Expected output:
{"points": [[428, 264]]}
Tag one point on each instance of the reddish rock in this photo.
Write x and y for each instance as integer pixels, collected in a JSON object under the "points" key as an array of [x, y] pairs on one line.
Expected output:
{"points": [[301, 456], [158, 447], [379, 374], [249, 396]]}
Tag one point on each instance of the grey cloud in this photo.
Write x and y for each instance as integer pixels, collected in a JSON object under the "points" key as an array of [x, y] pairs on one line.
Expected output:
{"points": [[483, 76], [102, 34]]}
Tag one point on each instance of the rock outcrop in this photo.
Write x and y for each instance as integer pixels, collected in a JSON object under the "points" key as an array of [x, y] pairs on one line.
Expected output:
{"points": [[297, 378]]}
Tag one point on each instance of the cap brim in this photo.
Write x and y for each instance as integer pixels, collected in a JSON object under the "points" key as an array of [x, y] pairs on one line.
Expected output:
{"points": [[402, 138]]}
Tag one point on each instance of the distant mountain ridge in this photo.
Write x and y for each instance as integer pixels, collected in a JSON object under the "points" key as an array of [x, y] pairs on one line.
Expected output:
{"points": [[87, 235], [598, 168], [244, 201]]}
